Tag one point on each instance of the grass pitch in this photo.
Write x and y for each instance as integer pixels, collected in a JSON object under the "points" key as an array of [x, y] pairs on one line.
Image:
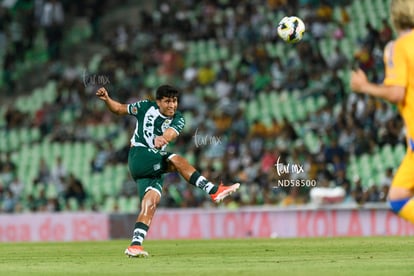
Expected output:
{"points": [[316, 256]]}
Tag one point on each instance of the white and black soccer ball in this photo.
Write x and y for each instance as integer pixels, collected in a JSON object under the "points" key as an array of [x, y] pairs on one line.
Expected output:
{"points": [[291, 29]]}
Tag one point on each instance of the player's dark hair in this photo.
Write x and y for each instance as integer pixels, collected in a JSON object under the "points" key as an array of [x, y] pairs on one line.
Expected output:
{"points": [[167, 91]]}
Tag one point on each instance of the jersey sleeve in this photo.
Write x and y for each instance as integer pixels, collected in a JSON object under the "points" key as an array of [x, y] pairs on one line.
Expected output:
{"points": [[133, 108], [395, 64], [178, 122]]}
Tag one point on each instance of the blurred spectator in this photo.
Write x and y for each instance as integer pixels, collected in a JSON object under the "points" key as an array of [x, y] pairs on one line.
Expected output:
{"points": [[101, 157], [362, 143], [385, 33], [43, 173], [391, 132], [293, 197], [342, 181], [337, 59], [383, 196], [120, 155], [206, 74], [121, 38], [31, 203], [129, 186], [52, 205], [372, 194], [16, 36], [324, 11], [41, 200], [8, 202], [52, 20], [58, 175], [4, 20], [258, 129], [336, 92], [358, 191], [345, 18], [190, 72], [223, 86], [387, 178], [278, 72], [334, 151], [318, 29], [7, 174], [288, 131], [75, 189], [372, 38], [364, 58], [13, 117], [9, 162], [17, 188], [268, 161]]}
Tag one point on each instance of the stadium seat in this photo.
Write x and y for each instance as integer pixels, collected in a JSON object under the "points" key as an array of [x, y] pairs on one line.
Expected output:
{"points": [[252, 111], [123, 204], [133, 205], [73, 204], [110, 204], [399, 152], [51, 191], [345, 46]]}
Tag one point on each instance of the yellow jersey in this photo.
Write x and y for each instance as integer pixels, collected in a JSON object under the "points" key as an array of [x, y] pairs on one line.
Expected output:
{"points": [[399, 71]]}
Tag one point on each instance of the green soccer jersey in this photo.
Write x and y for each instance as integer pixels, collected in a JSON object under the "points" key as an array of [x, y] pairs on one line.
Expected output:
{"points": [[151, 123]]}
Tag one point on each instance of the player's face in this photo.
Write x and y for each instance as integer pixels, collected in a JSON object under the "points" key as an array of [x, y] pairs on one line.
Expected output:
{"points": [[168, 106]]}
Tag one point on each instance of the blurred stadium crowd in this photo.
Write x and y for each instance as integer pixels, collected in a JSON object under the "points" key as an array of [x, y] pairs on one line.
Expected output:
{"points": [[250, 101]]}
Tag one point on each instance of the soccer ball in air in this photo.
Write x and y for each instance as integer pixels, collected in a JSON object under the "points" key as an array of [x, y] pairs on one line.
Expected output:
{"points": [[291, 29]]}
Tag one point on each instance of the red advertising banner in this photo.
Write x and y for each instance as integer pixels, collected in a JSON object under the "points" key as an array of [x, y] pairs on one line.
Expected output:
{"points": [[264, 223], [206, 224], [54, 227]]}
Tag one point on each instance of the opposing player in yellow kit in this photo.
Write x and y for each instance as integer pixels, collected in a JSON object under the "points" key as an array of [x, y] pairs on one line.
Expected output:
{"points": [[398, 88]]}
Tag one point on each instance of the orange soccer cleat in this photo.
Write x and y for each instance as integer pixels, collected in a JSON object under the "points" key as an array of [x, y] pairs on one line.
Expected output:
{"points": [[224, 191], [136, 251]]}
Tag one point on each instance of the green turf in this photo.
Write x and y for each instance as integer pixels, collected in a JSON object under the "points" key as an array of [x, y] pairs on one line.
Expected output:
{"points": [[322, 256]]}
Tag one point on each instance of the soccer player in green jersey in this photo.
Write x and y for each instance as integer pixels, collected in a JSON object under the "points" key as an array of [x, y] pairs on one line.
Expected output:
{"points": [[158, 123]]}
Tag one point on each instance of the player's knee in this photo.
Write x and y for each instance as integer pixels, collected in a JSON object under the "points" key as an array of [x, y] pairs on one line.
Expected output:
{"points": [[175, 157], [397, 204], [177, 160], [151, 199]]}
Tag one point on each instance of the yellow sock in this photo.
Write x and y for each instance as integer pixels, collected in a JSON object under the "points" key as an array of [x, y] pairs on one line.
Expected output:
{"points": [[407, 211]]}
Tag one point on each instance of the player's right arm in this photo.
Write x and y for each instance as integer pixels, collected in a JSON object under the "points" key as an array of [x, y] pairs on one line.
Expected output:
{"points": [[112, 105], [392, 93], [394, 87]]}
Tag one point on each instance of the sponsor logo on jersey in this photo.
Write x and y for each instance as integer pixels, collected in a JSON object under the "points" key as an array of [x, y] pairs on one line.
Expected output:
{"points": [[165, 125], [156, 167]]}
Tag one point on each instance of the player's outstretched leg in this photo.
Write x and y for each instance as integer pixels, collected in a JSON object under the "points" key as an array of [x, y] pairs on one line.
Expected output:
{"points": [[217, 193]]}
